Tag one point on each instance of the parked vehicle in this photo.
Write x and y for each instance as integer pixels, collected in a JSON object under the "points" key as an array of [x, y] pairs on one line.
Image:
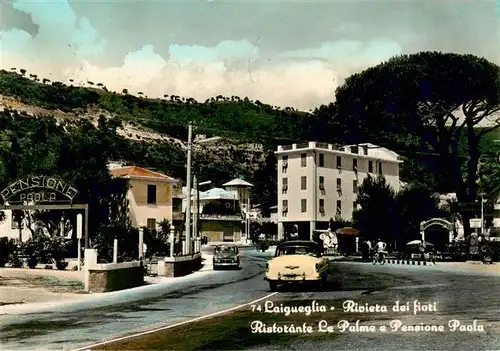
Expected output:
{"points": [[297, 262], [226, 256]]}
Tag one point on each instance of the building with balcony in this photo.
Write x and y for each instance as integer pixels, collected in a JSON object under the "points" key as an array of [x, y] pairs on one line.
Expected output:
{"points": [[319, 181], [220, 215], [241, 190], [150, 195]]}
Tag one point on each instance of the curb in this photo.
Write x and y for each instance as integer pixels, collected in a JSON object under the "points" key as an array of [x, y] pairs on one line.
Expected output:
{"points": [[411, 262]]}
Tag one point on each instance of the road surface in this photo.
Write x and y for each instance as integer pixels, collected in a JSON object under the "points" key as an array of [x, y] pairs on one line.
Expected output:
{"points": [[464, 295]]}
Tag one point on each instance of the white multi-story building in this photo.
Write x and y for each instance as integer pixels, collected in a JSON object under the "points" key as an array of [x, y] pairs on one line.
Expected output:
{"points": [[319, 181]]}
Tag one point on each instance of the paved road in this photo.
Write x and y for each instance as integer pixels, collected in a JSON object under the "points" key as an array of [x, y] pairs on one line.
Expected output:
{"points": [[87, 322], [464, 295]]}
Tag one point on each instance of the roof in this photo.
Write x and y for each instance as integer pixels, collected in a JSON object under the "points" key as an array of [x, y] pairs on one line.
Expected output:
{"points": [[216, 194], [139, 172], [237, 182]]}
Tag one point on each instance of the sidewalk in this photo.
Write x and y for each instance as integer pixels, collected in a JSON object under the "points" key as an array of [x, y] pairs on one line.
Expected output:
{"points": [[33, 290], [490, 268]]}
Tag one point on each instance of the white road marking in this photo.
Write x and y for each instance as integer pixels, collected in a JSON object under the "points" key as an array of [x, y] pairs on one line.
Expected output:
{"points": [[175, 325]]}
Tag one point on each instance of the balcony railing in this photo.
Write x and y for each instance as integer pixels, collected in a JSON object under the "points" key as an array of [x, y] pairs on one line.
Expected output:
{"points": [[309, 145], [220, 217]]}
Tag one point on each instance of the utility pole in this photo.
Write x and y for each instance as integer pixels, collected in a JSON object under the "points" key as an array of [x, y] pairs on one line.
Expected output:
{"points": [[196, 206], [482, 213], [247, 229], [188, 186]]}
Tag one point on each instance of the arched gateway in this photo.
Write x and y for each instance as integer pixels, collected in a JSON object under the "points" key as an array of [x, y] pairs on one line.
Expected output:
{"points": [[437, 221], [42, 193]]}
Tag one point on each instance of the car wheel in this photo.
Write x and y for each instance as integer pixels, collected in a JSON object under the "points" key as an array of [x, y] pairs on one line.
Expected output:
{"points": [[216, 268], [273, 286]]}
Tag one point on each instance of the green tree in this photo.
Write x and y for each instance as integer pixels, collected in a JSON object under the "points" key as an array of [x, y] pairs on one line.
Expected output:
{"points": [[415, 205], [264, 191], [377, 215], [427, 100], [489, 172]]}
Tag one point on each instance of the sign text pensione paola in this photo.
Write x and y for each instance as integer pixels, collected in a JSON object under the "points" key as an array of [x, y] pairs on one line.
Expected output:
{"points": [[28, 189]]}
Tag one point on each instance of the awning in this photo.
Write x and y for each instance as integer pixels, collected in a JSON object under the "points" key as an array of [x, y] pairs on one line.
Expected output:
{"points": [[347, 231]]}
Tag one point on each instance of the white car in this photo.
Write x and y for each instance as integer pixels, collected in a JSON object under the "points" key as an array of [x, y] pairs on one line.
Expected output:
{"points": [[297, 262]]}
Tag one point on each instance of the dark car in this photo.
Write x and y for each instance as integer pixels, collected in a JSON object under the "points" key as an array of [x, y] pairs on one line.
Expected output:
{"points": [[226, 256]]}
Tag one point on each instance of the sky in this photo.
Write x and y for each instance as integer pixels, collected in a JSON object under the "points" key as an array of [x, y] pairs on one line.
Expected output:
{"points": [[282, 53]]}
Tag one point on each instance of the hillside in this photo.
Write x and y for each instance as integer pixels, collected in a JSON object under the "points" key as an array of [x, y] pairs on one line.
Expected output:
{"points": [[239, 119], [155, 130]]}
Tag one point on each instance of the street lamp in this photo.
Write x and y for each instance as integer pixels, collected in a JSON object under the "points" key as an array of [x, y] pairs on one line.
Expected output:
{"points": [[197, 204], [482, 194], [188, 185]]}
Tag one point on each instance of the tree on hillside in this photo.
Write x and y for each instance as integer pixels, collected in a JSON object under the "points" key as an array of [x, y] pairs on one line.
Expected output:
{"points": [[377, 215], [426, 100]]}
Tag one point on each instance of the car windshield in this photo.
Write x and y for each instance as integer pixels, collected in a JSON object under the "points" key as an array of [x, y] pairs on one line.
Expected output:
{"points": [[225, 249], [297, 250]]}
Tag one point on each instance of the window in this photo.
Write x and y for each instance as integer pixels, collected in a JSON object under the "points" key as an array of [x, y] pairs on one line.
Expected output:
{"points": [[13, 223], [303, 160], [322, 206], [380, 167], [176, 205], [370, 166], [284, 165], [339, 162], [354, 164], [339, 208], [322, 184], [303, 205], [285, 208], [284, 188], [303, 183], [354, 149], [151, 194], [322, 160], [365, 150], [355, 186], [151, 224], [339, 184]]}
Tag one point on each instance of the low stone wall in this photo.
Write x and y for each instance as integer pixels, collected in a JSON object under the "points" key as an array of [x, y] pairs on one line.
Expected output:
{"points": [[111, 276], [179, 266]]}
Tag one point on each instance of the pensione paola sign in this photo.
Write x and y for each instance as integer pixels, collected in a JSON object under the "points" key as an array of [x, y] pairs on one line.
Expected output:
{"points": [[39, 189]]}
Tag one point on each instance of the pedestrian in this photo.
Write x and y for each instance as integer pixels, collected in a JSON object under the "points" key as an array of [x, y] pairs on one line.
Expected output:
{"points": [[422, 250]]}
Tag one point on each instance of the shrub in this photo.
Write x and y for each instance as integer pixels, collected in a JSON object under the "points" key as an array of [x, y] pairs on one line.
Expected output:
{"points": [[128, 241], [4, 251], [14, 254], [46, 249]]}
